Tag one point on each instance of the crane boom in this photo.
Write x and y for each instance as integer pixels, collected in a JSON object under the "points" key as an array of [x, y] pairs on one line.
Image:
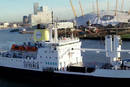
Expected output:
{"points": [[82, 12], [73, 9]]}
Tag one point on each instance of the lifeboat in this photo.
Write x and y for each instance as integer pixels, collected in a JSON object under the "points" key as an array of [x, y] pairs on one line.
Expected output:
{"points": [[34, 48], [21, 48], [28, 48], [14, 47]]}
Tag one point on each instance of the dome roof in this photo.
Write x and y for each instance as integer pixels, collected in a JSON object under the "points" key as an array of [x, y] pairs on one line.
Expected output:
{"points": [[106, 18]]}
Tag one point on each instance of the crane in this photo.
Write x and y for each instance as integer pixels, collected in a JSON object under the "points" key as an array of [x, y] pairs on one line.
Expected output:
{"points": [[73, 9], [82, 12]]}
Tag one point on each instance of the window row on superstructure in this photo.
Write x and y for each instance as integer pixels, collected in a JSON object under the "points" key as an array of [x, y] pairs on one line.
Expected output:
{"points": [[51, 63]]}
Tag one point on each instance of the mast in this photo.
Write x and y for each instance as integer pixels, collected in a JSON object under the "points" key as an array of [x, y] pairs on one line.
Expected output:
{"points": [[98, 15], [52, 17], [74, 12], [73, 9], [82, 12], [116, 7], [93, 6], [50, 30], [108, 5], [122, 5]]}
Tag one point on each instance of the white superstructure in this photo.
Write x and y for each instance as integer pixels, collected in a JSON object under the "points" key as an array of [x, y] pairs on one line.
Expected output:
{"points": [[46, 53]]}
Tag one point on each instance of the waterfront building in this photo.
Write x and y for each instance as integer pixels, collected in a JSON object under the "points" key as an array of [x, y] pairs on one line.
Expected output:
{"points": [[14, 25], [36, 7], [41, 16], [4, 25], [25, 19]]}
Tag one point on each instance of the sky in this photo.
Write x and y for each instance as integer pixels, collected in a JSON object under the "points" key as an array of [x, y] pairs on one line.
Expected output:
{"points": [[14, 10]]}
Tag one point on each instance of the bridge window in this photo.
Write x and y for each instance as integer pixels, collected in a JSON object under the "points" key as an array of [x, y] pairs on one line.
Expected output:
{"points": [[52, 51], [45, 51]]}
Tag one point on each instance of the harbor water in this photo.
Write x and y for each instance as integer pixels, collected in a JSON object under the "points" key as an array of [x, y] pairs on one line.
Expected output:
{"points": [[89, 58]]}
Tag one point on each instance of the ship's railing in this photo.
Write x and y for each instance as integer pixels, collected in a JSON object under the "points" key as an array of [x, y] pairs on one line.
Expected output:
{"points": [[67, 40]]}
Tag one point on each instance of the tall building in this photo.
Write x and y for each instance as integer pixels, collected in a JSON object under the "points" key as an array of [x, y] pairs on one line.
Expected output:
{"points": [[36, 8], [25, 19], [41, 8], [41, 15]]}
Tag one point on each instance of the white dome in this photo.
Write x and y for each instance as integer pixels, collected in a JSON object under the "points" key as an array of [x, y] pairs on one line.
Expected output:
{"points": [[106, 18]]}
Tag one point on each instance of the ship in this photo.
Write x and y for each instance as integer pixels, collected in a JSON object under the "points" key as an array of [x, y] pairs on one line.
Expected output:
{"points": [[59, 59]]}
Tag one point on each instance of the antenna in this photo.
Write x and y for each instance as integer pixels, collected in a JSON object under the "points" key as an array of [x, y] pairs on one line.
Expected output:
{"points": [[52, 14], [129, 12]]}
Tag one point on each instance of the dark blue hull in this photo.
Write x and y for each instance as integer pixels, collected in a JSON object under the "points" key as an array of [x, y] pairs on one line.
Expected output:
{"points": [[53, 79]]}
